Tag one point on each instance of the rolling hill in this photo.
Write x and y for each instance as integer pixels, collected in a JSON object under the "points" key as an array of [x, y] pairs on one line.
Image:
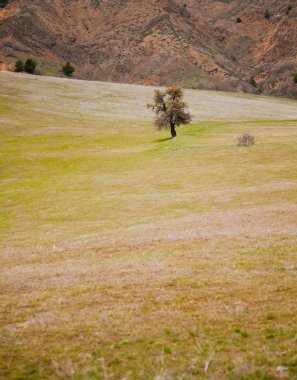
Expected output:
{"points": [[128, 255]]}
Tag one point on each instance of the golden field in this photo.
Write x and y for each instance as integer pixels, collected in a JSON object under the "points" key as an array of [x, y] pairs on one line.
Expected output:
{"points": [[126, 255]]}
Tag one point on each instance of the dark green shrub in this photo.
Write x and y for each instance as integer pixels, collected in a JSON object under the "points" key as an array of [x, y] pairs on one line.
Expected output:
{"points": [[3, 3], [295, 78], [30, 66], [267, 14], [19, 66], [253, 82], [68, 69], [238, 20]]}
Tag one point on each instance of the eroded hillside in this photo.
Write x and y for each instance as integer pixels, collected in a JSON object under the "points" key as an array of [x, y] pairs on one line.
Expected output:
{"points": [[199, 44]]}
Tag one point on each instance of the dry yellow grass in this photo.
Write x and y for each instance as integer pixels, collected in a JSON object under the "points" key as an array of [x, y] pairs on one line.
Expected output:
{"points": [[125, 255]]}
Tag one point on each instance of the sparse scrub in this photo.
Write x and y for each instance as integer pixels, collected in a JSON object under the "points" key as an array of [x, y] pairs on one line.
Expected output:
{"points": [[30, 66], [284, 85], [295, 78], [284, 68], [220, 83], [245, 139], [238, 20], [10, 44]]}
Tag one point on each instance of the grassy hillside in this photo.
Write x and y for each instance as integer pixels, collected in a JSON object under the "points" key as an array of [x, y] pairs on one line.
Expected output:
{"points": [[126, 255]]}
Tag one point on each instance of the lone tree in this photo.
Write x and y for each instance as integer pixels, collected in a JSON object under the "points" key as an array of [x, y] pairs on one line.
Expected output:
{"points": [[169, 109], [68, 69]]}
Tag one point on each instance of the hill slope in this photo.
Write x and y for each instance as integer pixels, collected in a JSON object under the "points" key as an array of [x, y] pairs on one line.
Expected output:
{"points": [[125, 255], [158, 42]]}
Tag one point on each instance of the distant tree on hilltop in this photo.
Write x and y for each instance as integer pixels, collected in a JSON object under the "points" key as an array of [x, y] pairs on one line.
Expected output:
{"points": [[169, 109]]}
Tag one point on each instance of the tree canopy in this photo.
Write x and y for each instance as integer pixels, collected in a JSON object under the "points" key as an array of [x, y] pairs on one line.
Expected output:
{"points": [[170, 109]]}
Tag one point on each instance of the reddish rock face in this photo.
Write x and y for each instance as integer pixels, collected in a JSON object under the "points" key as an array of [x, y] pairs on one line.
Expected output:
{"points": [[195, 43]]}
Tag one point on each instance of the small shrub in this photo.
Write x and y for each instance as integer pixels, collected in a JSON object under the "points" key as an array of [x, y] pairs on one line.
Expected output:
{"points": [[289, 9], [295, 78], [30, 66], [167, 350], [271, 317], [244, 334], [238, 20], [253, 82], [245, 139], [19, 66], [68, 69], [267, 14]]}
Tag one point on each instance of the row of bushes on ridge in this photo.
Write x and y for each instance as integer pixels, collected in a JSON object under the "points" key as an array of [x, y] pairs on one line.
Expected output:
{"points": [[29, 66]]}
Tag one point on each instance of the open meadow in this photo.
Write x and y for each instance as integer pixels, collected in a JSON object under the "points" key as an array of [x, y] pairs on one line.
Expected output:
{"points": [[127, 255]]}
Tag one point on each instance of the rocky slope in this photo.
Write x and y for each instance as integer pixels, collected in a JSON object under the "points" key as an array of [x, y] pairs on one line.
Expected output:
{"points": [[198, 44]]}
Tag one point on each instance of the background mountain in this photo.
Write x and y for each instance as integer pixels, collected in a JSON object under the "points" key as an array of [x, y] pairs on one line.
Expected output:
{"points": [[200, 44]]}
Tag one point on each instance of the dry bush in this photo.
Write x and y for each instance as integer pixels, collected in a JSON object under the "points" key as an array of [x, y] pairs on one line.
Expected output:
{"points": [[284, 86], [219, 84], [245, 139], [11, 45]]}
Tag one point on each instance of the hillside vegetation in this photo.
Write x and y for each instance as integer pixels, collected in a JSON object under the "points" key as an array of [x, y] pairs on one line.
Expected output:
{"points": [[125, 255]]}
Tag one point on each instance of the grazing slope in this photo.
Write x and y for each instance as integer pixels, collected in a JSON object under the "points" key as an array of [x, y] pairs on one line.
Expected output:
{"points": [[125, 255], [157, 42]]}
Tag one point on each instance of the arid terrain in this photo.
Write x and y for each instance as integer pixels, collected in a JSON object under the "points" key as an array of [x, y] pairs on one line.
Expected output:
{"points": [[126, 255], [200, 44]]}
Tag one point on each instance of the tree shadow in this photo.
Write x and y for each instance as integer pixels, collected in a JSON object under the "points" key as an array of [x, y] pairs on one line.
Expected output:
{"points": [[162, 140]]}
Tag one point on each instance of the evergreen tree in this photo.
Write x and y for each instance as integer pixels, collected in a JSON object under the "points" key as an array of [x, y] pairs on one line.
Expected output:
{"points": [[30, 66], [68, 69]]}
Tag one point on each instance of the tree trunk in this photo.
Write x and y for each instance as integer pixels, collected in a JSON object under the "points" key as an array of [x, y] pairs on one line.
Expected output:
{"points": [[172, 129]]}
